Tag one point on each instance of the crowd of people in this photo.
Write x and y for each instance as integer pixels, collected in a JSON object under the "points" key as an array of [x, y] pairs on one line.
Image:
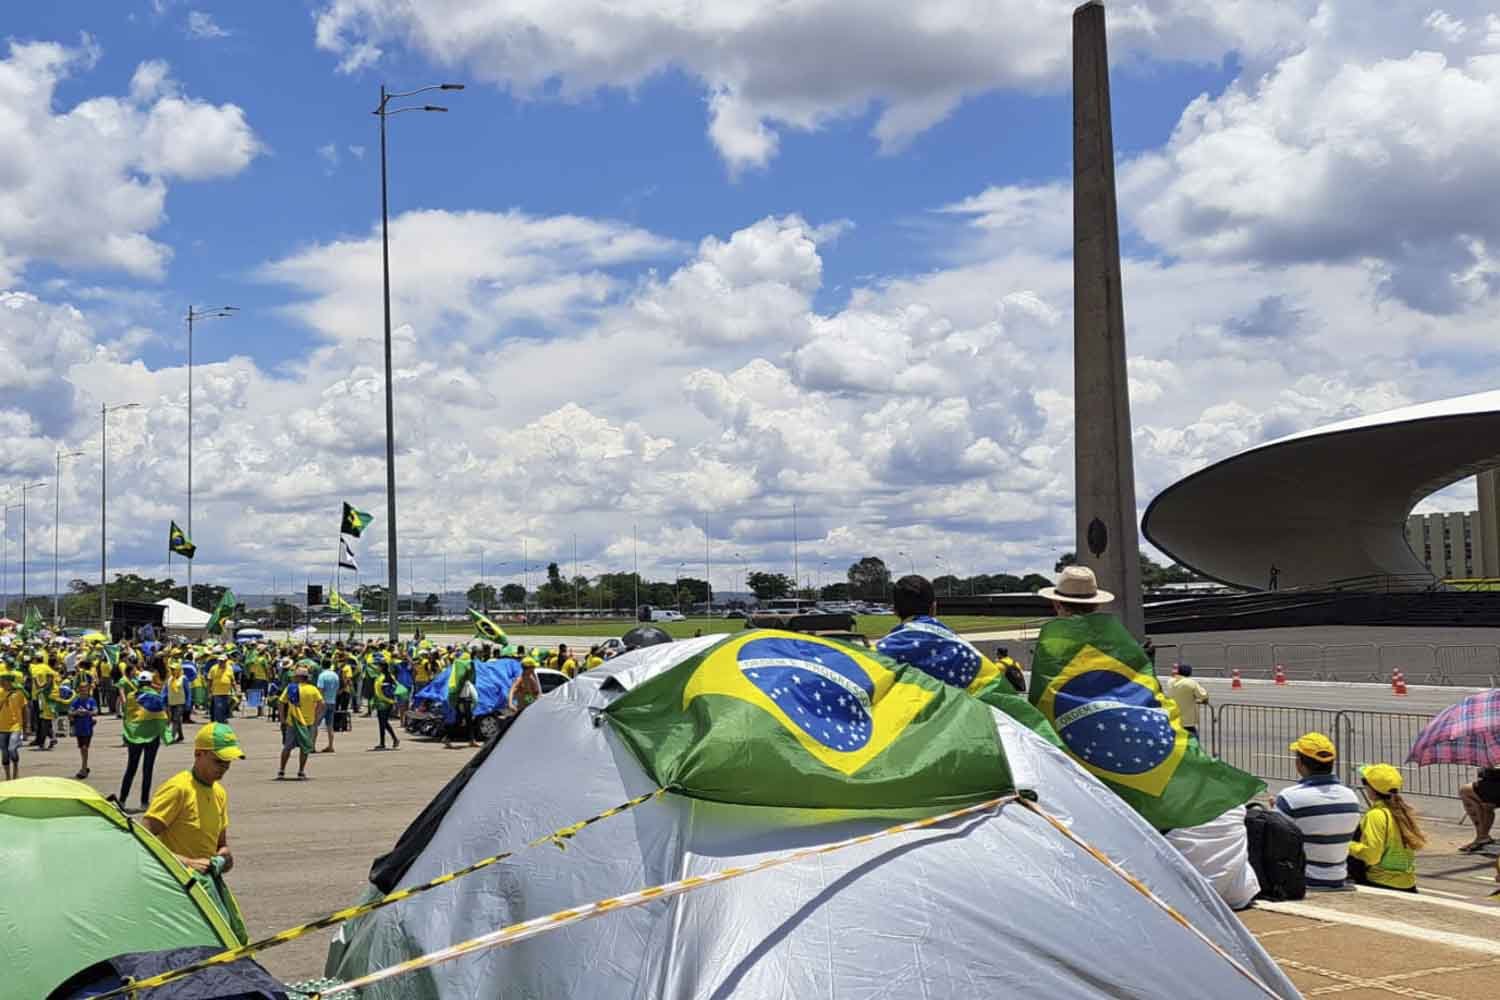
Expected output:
{"points": [[52, 688]]}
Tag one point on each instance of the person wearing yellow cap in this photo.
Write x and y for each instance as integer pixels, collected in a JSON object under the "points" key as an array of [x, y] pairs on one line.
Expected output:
{"points": [[1324, 809], [1384, 852], [190, 811]]}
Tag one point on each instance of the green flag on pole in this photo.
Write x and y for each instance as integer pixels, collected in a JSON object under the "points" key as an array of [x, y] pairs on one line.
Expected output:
{"points": [[486, 629], [1097, 687], [784, 719], [179, 543], [337, 603], [354, 521], [224, 609], [33, 623]]}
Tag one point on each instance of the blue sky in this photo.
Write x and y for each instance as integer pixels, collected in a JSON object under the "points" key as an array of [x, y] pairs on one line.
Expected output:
{"points": [[717, 259]]}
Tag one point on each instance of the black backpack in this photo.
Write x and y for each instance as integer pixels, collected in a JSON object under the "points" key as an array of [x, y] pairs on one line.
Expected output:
{"points": [[1275, 847]]}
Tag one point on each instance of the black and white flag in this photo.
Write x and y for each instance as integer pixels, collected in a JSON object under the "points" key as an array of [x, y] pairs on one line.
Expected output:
{"points": [[346, 557]]}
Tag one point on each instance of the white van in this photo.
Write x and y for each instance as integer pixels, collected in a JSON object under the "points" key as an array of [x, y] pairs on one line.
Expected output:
{"points": [[666, 615]]}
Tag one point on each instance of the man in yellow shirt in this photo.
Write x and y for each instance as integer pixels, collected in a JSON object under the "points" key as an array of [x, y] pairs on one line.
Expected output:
{"points": [[565, 661], [1189, 695], [301, 708], [190, 811], [220, 688], [594, 659], [12, 723]]}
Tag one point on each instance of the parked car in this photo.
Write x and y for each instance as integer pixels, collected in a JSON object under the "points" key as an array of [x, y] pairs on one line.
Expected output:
{"points": [[613, 646], [426, 717], [666, 615]]}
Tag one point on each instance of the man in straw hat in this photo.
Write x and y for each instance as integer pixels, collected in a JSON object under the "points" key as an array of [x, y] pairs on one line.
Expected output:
{"points": [[1077, 593]]}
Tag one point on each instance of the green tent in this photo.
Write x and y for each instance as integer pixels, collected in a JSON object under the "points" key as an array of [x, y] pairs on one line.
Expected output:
{"points": [[82, 883]]}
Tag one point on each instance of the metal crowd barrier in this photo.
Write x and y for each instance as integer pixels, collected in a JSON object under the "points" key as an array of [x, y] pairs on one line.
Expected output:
{"points": [[1255, 738], [1364, 662]]}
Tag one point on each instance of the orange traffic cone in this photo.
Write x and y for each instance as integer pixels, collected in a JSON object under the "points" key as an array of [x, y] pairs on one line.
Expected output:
{"points": [[1280, 675], [1235, 684], [1398, 682]]}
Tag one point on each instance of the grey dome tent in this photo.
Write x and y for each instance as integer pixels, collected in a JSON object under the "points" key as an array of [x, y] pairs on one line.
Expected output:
{"points": [[998, 904]]}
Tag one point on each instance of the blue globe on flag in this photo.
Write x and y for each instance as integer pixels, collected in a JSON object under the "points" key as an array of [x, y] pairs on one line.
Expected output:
{"points": [[823, 691], [1113, 723]]}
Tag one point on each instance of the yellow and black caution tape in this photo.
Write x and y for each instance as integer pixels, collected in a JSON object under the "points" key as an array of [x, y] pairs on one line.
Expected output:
{"points": [[1145, 890], [541, 925], [559, 837], [562, 918]]}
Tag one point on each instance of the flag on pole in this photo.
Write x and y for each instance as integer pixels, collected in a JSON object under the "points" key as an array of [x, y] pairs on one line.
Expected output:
{"points": [[486, 629], [346, 556], [354, 521], [225, 608], [178, 542], [1095, 684], [33, 623], [337, 603]]}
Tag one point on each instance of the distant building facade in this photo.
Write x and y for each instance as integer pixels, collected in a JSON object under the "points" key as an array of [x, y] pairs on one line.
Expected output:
{"points": [[1461, 545]]}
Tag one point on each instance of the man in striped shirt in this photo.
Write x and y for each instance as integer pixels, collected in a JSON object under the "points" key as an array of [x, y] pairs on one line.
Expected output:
{"points": [[1325, 810]]}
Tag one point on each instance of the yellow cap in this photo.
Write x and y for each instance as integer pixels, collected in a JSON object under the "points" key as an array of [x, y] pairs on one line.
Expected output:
{"points": [[1384, 778], [1315, 745], [221, 740]]}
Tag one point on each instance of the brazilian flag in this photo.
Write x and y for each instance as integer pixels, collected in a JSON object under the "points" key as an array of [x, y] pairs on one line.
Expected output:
{"points": [[777, 718], [224, 609], [486, 629], [463, 670], [337, 603], [354, 521], [1097, 687], [179, 543]]}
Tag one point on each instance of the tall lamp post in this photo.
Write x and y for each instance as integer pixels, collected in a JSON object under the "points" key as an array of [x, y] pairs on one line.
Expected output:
{"points": [[57, 520], [24, 490], [104, 411], [193, 316], [383, 111], [910, 560], [5, 561]]}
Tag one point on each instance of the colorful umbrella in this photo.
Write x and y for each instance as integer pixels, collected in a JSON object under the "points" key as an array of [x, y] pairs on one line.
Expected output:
{"points": [[1465, 733]]}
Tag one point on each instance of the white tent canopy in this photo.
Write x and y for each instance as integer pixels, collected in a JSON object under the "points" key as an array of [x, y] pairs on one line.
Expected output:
{"points": [[997, 905], [182, 616]]}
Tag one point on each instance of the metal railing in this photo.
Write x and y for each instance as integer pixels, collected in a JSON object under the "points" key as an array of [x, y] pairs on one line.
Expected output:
{"points": [[1475, 665], [1256, 738]]}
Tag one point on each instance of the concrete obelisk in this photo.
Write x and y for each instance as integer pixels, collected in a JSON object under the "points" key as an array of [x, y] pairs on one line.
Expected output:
{"points": [[1103, 460]]}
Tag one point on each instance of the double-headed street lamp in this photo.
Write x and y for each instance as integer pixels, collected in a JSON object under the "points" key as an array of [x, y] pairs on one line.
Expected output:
{"points": [[104, 411], [193, 316], [383, 111], [24, 490], [56, 520]]}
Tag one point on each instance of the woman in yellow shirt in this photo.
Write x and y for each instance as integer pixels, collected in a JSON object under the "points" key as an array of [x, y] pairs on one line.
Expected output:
{"points": [[1383, 852]]}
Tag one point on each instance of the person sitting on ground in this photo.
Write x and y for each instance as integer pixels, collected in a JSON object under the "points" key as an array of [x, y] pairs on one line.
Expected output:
{"points": [[1188, 694], [301, 708], [1480, 797], [1324, 809], [1384, 853], [924, 642], [1219, 850]]}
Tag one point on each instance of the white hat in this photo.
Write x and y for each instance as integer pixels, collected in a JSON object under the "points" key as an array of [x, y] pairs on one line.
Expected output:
{"points": [[1077, 585]]}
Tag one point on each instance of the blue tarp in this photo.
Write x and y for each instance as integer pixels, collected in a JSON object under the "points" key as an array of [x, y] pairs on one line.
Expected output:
{"points": [[492, 678]]}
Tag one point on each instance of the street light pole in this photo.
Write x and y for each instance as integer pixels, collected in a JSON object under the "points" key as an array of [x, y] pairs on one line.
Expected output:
{"points": [[383, 112], [56, 520], [24, 489], [104, 411], [193, 315]]}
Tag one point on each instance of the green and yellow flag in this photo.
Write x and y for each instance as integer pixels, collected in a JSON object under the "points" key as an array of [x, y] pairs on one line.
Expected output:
{"points": [[224, 609], [33, 623], [354, 521], [776, 718], [338, 603], [179, 543], [486, 629], [1097, 687]]}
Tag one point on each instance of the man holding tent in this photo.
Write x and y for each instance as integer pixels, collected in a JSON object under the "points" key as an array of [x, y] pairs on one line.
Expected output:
{"points": [[190, 815]]}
